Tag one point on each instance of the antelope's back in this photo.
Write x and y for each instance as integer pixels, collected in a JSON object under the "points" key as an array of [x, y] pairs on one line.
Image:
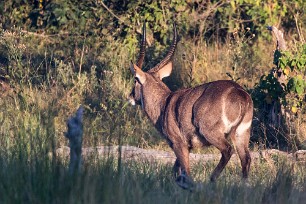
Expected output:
{"points": [[222, 99], [206, 104]]}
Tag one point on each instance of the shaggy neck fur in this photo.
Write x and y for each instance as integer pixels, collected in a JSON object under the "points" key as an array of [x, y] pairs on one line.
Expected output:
{"points": [[154, 96]]}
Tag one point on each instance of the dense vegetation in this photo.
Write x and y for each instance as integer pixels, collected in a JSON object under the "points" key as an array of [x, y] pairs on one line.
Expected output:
{"points": [[42, 181], [58, 54], [78, 53]]}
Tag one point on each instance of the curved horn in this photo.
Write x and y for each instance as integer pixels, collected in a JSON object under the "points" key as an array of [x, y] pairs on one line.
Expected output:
{"points": [[170, 53], [142, 51]]}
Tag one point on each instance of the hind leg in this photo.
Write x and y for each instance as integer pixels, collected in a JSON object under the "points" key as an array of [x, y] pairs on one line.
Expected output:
{"points": [[226, 151], [218, 140], [245, 158], [241, 141]]}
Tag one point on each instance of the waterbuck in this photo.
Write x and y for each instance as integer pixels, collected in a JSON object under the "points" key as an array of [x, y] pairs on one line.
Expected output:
{"points": [[208, 114]]}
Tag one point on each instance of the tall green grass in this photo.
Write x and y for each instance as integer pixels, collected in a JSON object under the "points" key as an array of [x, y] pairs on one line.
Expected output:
{"points": [[41, 180]]}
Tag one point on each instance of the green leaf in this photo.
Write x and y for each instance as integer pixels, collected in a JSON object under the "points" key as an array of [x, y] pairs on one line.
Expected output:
{"points": [[293, 64], [63, 20], [300, 86], [299, 90], [58, 12], [233, 5], [291, 84], [158, 15]]}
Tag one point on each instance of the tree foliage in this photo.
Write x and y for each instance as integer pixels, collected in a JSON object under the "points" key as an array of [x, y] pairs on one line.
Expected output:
{"points": [[119, 17], [86, 46]]}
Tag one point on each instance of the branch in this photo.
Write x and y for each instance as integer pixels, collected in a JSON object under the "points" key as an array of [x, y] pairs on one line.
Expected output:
{"points": [[281, 44], [112, 13], [43, 35], [122, 21], [298, 28], [209, 10]]}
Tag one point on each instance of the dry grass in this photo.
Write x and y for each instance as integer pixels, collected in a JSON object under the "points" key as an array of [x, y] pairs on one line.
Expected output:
{"points": [[47, 85]]}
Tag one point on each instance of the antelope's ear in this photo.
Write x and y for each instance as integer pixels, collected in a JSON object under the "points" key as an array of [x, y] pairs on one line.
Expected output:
{"points": [[138, 73], [165, 71]]}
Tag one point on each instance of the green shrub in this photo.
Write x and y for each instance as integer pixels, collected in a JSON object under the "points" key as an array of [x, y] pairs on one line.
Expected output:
{"points": [[280, 97]]}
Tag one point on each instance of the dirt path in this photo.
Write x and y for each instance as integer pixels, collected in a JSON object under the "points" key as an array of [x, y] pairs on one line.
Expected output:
{"points": [[151, 155]]}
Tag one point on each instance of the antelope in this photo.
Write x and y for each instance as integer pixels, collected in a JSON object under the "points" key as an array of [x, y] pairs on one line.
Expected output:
{"points": [[208, 114]]}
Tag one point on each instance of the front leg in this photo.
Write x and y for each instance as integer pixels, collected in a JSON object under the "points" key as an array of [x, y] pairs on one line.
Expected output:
{"points": [[181, 167], [177, 170]]}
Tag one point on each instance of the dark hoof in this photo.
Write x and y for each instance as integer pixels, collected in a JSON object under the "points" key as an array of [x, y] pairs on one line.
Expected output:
{"points": [[213, 179], [185, 182]]}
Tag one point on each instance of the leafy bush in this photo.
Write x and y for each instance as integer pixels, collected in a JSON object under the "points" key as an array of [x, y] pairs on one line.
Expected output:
{"points": [[282, 93]]}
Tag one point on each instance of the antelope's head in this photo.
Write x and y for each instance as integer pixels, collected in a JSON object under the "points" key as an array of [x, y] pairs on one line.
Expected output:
{"points": [[153, 77]]}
